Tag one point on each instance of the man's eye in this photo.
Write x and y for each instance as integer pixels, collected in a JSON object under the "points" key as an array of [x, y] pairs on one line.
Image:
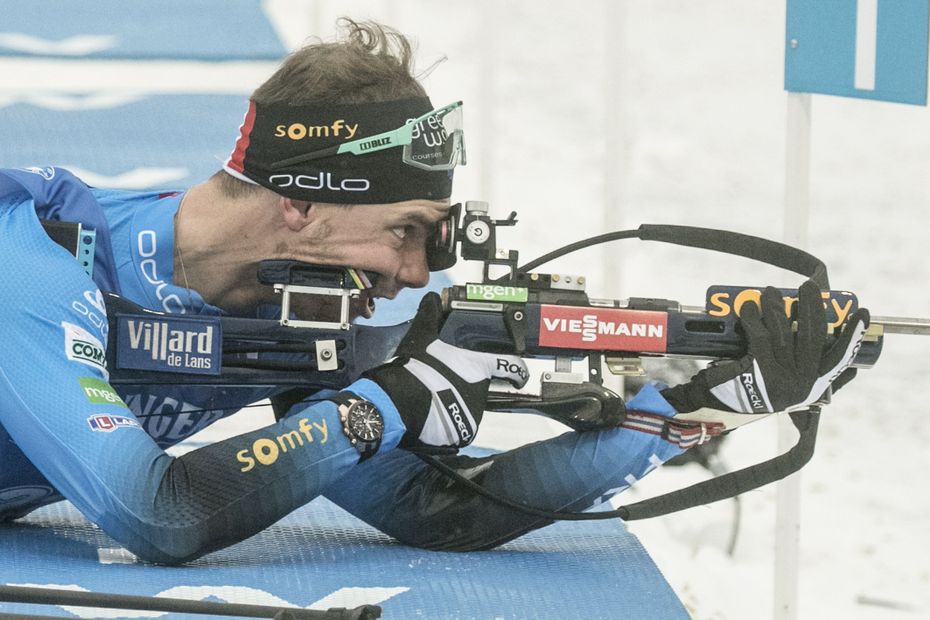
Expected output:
{"points": [[400, 231]]}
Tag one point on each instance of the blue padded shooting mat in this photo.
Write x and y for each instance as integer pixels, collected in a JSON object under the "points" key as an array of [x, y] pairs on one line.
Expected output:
{"points": [[159, 29], [321, 557]]}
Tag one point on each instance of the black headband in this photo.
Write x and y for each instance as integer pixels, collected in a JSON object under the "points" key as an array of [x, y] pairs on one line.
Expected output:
{"points": [[276, 132]]}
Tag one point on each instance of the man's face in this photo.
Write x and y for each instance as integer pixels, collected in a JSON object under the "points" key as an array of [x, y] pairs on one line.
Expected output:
{"points": [[386, 239]]}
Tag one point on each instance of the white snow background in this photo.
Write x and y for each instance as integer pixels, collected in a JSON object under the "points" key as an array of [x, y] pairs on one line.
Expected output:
{"points": [[597, 115]]}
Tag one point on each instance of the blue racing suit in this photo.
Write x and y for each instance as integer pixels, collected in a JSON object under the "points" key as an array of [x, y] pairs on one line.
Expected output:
{"points": [[66, 433]]}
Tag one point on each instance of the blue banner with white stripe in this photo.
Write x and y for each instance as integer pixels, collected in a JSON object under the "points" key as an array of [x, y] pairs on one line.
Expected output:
{"points": [[162, 29], [858, 48]]}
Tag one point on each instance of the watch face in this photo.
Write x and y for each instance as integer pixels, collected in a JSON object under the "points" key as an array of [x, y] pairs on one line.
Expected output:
{"points": [[365, 422]]}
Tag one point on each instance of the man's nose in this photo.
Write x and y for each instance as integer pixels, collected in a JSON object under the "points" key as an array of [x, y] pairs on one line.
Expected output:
{"points": [[414, 272]]}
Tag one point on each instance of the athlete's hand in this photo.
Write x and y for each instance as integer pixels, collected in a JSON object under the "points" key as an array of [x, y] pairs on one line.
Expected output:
{"points": [[441, 390], [781, 369]]}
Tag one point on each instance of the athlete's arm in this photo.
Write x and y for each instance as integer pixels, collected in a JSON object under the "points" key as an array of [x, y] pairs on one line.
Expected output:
{"points": [[403, 496]]}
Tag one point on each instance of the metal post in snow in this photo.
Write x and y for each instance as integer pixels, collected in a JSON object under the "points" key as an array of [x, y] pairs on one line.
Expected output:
{"points": [[788, 490]]}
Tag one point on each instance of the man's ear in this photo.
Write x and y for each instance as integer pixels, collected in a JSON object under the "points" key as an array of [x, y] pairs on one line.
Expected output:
{"points": [[296, 213]]}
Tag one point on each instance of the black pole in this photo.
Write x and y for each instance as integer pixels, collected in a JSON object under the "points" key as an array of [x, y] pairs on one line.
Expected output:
{"points": [[52, 596]]}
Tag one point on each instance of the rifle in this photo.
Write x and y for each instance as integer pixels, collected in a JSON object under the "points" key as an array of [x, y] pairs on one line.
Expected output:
{"points": [[532, 314]]}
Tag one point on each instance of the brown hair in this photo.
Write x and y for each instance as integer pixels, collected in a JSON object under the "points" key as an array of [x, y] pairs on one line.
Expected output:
{"points": [[370, 63]]}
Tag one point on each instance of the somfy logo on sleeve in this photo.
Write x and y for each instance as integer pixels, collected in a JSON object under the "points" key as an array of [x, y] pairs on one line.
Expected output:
{"points": [[83, 347], [169, 344]]}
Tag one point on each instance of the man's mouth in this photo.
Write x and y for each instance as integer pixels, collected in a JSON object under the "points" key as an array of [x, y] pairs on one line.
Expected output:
{"points": [[363, 306]]}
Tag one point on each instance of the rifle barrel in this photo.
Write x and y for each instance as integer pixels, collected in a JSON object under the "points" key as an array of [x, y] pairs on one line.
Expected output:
{"points": [[889, 324], [903, 325]]}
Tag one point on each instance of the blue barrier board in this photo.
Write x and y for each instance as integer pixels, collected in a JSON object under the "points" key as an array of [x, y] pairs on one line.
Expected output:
{"points": [[166, 29], [156, 142]]}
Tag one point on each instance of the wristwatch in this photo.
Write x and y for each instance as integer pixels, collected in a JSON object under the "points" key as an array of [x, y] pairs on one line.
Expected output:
{"points": [[361, 422]]}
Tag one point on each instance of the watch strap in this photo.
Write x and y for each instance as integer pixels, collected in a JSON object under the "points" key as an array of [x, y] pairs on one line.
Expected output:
{"points": [[345, 397]]}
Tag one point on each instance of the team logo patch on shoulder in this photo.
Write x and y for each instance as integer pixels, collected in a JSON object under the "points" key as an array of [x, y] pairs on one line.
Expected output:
{"points": [[103, 423], [83, 347]]}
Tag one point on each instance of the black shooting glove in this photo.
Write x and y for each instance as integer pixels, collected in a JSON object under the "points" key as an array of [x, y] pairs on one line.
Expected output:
{"points": [[441, 390], [781, 369]]}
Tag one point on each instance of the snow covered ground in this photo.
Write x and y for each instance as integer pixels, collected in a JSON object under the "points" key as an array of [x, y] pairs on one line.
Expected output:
{"points": [[599, 115]]}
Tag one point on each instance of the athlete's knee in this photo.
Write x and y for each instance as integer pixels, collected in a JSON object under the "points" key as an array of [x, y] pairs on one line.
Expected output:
{"points": [[164, 545]]}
